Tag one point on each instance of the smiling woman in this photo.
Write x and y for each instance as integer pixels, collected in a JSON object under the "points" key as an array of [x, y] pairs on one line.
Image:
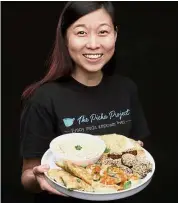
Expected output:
{"points": [[91, 45], [76, 31], [80, 91]]}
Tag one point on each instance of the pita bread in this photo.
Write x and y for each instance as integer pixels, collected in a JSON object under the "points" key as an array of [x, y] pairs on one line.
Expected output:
{"points": [[119, 143], [71, 182]]}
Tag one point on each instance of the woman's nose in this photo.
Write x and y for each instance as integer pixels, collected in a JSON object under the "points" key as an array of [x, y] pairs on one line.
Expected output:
{"points": [[93, 42]]}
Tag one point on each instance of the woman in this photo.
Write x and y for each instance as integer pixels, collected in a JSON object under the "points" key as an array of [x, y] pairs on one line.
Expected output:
{"points": [[79, 93]]}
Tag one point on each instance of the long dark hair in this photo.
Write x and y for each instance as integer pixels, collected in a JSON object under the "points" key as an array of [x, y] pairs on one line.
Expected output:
{"points": [[60, 62]]}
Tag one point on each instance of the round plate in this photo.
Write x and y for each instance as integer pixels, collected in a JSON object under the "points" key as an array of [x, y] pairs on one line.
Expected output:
{"points": [[97, 196]]}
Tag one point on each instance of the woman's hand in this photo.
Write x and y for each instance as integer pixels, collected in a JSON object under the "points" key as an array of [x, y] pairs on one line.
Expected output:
{"points": [[38, 171], [140, 143]]}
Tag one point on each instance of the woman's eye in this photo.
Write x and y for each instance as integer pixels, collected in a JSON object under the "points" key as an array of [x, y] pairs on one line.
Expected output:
{"points": [[103, 32], [81, 33]]}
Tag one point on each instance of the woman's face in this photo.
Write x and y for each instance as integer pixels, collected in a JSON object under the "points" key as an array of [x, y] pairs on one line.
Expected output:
{"points": [[91, 40]]}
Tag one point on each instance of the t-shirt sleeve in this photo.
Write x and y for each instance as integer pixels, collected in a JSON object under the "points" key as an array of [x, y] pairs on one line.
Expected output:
{"points": [[36, 129], [140, 128]]}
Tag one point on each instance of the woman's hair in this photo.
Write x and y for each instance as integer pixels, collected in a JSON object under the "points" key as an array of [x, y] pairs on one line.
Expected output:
{"points": [[60, 62]]}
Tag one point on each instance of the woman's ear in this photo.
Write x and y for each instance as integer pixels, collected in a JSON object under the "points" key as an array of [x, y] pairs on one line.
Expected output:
{"points": [[116, 32]]}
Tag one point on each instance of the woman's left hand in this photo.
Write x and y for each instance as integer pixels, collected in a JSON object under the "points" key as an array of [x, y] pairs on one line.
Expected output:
{"points": [[140, 143]]}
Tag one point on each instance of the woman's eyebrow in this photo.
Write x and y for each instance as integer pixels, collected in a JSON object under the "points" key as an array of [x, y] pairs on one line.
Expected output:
{"points": [[83, 25], [102, 24], [80, 25]]}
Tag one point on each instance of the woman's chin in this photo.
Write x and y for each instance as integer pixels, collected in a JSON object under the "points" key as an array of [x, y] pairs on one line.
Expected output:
{"points": [[93, 69]]}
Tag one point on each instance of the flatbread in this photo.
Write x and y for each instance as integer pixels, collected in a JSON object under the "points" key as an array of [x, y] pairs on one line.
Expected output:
{"points": [[99, 187], [78, 171], [69, 181], [61, 165], [55, 175], [119, 143]]}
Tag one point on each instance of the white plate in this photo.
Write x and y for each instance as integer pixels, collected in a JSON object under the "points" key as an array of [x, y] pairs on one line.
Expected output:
{"points": [[49, 159]]}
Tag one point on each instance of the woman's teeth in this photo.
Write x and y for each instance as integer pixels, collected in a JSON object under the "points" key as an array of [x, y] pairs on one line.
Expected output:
{"points": [[93, 56]]}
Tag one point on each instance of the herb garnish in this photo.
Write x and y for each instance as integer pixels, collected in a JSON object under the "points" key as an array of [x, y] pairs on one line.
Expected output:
{"points": [[78, 180], [78, 147], [107, 150]]}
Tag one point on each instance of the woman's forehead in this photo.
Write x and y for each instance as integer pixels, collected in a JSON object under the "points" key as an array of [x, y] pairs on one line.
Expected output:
{"points": [[97, 18]]}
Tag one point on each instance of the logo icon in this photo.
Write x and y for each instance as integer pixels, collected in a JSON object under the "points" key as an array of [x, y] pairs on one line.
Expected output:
{"points": [[68, 121]]}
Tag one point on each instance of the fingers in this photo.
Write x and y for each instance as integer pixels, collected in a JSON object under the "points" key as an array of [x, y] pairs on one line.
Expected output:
{"points": [[39, 174], [40, 169], [140, 143], [58, 193], [46, 187]]}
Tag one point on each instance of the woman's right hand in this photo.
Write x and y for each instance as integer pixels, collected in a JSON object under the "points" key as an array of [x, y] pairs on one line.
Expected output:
{"points": [[38, 171]]}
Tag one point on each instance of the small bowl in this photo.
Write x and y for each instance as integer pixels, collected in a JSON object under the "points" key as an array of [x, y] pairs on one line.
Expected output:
{"points": [[80, 148]]}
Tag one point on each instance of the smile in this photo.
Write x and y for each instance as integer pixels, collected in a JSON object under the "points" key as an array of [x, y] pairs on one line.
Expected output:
{"points": [[92, 56]]}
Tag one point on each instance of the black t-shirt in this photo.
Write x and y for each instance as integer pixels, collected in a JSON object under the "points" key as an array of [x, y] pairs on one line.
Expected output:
{"points": [[65, 106]]}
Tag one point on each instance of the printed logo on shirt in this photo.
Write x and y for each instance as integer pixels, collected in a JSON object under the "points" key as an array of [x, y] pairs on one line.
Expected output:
{"points": [[68, 122], [108, 116], [110, 119]]}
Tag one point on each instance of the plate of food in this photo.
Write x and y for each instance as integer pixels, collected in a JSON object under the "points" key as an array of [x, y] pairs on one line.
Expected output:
{"points": [[98, 168]]}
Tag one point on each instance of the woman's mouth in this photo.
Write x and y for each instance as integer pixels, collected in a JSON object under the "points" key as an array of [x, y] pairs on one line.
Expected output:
{"points": [[93, 57]]}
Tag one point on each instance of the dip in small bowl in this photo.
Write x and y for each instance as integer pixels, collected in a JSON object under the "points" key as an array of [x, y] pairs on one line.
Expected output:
{"points": [[79, 148]]}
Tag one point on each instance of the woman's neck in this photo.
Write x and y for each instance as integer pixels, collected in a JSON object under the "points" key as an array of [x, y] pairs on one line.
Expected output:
{"points": [[87, 78]]}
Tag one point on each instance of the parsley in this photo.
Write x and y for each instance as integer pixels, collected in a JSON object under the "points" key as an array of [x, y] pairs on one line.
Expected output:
{"points": [[78, 147], [127, 184], [78, 180], [107, 150]]}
